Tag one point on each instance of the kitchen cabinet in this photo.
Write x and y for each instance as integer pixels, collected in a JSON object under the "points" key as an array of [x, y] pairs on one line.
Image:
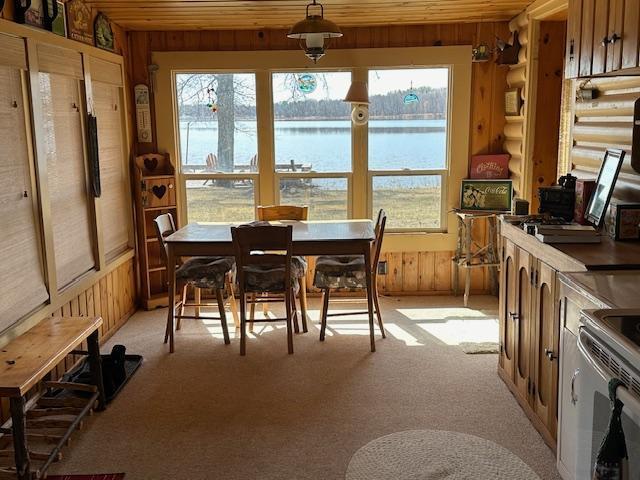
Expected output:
{"points": [[529, 335], [602, 37], [530, 305]]}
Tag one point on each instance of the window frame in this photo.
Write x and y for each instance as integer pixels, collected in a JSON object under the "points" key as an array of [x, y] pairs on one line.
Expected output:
{"points": [[359, 62]]}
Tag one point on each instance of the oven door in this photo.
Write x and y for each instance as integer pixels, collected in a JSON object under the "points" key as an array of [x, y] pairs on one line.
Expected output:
{"points": [[599, 365]]}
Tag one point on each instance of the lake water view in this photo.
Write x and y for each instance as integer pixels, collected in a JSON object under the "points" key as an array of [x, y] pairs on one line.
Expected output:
{"points": [[326, 145]]}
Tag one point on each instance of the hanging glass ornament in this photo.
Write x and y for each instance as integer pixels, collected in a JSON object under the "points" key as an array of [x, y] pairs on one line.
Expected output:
{"points": [[307, 83], [212, 104], [411, 97]]}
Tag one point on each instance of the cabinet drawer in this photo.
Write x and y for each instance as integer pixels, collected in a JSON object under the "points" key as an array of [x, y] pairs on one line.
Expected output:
{"points": [[158, 192]]}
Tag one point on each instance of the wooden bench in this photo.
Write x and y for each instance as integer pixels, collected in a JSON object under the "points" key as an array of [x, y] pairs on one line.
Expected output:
{"points": [[24, 363]]}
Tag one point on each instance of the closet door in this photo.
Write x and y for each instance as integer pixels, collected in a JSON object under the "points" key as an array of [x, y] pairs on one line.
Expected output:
{"points": [[61, 108], [22, 283], [115, 206]]}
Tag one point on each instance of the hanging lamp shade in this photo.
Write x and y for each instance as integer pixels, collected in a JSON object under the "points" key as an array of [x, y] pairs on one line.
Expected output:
{"points": [[358, 93], [313, 30]]}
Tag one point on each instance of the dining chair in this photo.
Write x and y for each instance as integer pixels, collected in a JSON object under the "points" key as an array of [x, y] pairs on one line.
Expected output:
{"points": [[298, 264], [213, 273], [349, 271], [263, 266]]}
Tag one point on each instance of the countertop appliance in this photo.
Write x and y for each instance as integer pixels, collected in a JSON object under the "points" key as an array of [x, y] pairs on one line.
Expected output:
{"points": [[607, 346]]}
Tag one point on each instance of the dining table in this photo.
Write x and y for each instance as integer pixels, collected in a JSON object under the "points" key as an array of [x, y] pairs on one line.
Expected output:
{"points": [[309, 238]]}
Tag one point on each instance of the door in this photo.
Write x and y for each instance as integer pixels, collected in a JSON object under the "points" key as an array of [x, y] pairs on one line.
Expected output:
{"points": [[615, 35], [508, 275], [569, 394], [600, 36], [522, 321], [545, 344], [586, 38], [630, 34], [574, 27]]}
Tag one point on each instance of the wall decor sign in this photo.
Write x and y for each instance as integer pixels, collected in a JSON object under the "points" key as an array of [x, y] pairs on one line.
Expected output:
{"points": [[490, 166], [486, 195], [143, 113], [103, 33], [512, 101], [59, 20], [79, 25], [30, 12]]}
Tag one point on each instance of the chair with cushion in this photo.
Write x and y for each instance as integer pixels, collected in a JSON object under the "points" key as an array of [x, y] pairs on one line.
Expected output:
{"points": [[264, 272], [349, 271], [298, 264], [215, 273]]}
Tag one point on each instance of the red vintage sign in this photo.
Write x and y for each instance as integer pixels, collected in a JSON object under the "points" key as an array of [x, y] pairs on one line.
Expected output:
{"points": [[489, 166]]}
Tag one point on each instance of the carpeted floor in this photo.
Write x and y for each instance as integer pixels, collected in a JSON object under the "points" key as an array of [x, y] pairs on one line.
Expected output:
{"points": [[207, 413]]}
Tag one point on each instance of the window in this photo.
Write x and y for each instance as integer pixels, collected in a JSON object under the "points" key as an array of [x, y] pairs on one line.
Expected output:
{"points": [[312, 141], [218, 144], [408, 144], [21, 275]]}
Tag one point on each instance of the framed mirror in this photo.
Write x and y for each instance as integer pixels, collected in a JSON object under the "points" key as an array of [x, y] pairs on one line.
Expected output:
{"points": [[597, 208]]}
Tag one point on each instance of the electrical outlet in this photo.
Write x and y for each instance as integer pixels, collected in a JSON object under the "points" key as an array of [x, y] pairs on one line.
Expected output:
{"points": [[382, 267]]}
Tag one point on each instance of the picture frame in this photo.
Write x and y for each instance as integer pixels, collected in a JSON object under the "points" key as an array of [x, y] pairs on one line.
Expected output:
{"points": [[79, 22], [512, 102], [599, 202], [486, 195]]}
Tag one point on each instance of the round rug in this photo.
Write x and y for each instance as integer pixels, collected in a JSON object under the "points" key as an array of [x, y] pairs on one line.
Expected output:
{"points": [[435, 455]]}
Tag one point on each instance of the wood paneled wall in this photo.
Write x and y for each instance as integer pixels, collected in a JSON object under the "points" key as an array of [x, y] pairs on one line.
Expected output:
{"points": [[113, 298], [410, 272]]}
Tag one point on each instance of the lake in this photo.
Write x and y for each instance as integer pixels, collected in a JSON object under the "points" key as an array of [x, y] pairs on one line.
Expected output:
{"points": [[326, 145]]}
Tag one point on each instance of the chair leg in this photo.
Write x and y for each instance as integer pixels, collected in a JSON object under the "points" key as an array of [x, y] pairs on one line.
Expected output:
{"points": [[166, 330], [294, 310], [302, 294], [288, 298], [378, 312], [183, 300], [233, 305], [325, 309], [198, 299], [265, 310], [252, 311], [223, 315], [243, 323]]}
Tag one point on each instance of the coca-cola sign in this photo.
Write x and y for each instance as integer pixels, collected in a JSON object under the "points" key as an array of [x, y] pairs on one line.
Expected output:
{"points": [[486, 195]]}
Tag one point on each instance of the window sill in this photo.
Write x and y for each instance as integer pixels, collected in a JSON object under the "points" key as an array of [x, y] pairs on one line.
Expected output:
{"points": [[419, 242]]}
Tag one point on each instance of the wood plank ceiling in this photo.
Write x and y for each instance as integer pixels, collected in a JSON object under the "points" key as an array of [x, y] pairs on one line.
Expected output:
{"points": [[256, 14]]}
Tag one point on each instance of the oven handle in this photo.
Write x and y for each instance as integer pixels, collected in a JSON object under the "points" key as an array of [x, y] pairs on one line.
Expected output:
{"points": [[626, 397]]}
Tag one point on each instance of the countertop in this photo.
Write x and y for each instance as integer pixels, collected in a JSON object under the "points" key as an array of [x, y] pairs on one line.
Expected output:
{"points": [[616, 289]]}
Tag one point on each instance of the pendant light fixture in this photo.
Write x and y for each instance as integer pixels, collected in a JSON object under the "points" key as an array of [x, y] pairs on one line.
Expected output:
{"points": [[312, 32]]}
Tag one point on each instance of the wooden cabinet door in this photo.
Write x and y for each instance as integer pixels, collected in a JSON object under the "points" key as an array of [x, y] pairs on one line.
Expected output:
{"points": [[630, 34], [600, 36], [545, 345], [508, 308], [522, 320], [586, 37], [574, 28], [615, 34]]}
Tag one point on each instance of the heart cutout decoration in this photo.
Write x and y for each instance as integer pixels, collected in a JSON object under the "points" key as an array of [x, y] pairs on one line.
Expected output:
{"points": [[151, 164], [159, 190]]}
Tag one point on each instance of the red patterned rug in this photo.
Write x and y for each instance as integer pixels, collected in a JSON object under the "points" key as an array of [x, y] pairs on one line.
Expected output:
{"points": [[103, 476]]}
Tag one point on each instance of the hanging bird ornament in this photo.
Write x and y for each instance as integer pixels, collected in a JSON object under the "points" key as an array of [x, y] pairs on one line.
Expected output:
{"points": [[307, 83], [212, 104], [411, 97]]}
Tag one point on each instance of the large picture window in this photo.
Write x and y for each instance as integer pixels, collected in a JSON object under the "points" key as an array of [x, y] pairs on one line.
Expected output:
{"points": [[218, 144], [408, 144]]}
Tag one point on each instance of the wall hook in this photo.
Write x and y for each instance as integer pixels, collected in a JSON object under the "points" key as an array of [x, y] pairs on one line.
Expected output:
{"points": [[14, 104]]}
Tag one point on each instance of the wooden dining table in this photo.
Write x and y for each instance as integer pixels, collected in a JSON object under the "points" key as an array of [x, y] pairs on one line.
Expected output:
{"points": [[310, 238]]}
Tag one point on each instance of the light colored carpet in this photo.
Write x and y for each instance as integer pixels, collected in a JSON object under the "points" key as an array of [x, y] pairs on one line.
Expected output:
{"points": [[476, 348], [436, 455], [207, 413]]}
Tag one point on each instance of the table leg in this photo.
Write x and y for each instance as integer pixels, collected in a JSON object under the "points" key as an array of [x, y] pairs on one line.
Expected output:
{"points": [[171, 272], [457, 257], [95, 365], [369, 277], [19, 433], [468, 256]]}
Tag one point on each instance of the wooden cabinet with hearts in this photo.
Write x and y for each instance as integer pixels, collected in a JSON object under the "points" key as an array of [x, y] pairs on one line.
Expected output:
{"points": [[158, 192], [155, 195]]}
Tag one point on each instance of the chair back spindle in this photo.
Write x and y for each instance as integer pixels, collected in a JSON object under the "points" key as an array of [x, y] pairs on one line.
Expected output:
{"points": [[164, 226]]}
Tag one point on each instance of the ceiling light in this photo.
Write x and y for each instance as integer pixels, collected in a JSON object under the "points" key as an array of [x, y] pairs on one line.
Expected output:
{"points": [[357, 93], [313, 30]]}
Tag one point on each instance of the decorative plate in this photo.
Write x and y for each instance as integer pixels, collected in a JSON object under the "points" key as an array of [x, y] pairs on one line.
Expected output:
{"points": [[103, 33]]}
